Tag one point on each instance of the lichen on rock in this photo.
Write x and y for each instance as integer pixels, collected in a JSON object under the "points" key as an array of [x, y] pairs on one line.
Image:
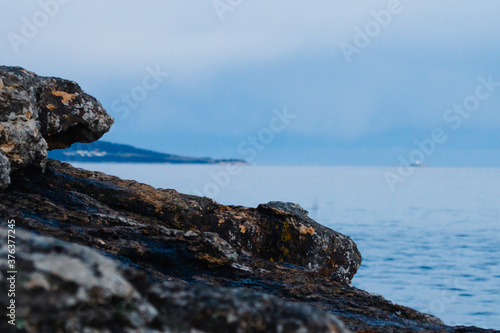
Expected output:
{"points": [[71, 288], [39, 113]]}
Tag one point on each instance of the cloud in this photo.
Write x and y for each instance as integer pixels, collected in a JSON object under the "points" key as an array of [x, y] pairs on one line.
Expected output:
{"points": [[122, 36]]}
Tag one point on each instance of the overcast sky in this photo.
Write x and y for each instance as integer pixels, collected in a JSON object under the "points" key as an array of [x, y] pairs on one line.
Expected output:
{"points": [[278, 82]]}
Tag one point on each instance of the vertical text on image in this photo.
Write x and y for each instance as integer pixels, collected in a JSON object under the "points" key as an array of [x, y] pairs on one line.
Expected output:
{"points": [[11, 271]]}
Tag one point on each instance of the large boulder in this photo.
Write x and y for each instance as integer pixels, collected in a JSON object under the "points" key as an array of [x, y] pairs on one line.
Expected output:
{"points": [[83, 201], [311, 244], [39, 113]]}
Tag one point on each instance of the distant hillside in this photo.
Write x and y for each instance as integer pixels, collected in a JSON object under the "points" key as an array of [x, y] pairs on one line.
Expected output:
{"points": [[101, 151]]}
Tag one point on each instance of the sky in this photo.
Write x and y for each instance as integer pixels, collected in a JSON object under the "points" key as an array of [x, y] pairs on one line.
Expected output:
{"points": [[319, 82]]}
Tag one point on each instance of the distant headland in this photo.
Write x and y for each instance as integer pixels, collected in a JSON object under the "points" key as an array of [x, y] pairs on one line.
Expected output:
{"points": [[102, 151]]}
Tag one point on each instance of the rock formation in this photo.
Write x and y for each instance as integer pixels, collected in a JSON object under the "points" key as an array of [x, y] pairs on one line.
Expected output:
{"points": [[39, 113], [110, 255], [71, 288]]}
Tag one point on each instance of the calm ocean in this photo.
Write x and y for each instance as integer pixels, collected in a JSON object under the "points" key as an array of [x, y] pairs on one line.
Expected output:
{"points": [[432, 244]]}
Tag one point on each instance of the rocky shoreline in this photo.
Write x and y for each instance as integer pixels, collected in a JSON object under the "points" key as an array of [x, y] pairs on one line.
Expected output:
{"points": [[100, 254]]}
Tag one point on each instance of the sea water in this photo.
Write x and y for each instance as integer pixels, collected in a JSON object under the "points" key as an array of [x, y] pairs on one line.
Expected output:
{"points": [[430, 242]]}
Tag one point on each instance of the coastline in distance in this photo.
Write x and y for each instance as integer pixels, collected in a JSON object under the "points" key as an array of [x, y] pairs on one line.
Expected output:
{"points": [[105, 152]]}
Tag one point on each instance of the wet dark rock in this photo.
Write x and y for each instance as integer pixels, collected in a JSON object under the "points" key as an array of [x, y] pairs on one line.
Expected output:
{"points": [[39, 113], [79, 197], [63, 287], [185, 250]]}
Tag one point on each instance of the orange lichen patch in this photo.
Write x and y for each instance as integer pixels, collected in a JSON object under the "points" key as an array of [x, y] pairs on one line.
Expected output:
{"points": [[1, 84], [329, 270], [221, 221], [286, 235], [13, 86], [28, 115], [16, 158], [210, 259], [243, 229], [66, 97], [305, 230], [50, 107], [7, 148]]}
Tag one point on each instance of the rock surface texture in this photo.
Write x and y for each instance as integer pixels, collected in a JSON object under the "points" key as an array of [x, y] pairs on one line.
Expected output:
{"points": [[170, 240], [4, 170], [39, 113], [100, 254], [144, 224], [70, 288]]}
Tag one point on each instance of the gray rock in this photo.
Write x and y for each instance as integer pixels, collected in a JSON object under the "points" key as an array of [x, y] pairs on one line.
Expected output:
{"points": [[20, 137], [328, 252], [287, 207], [231, 310], [63, 287], [4, 170], [39, 113]]}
